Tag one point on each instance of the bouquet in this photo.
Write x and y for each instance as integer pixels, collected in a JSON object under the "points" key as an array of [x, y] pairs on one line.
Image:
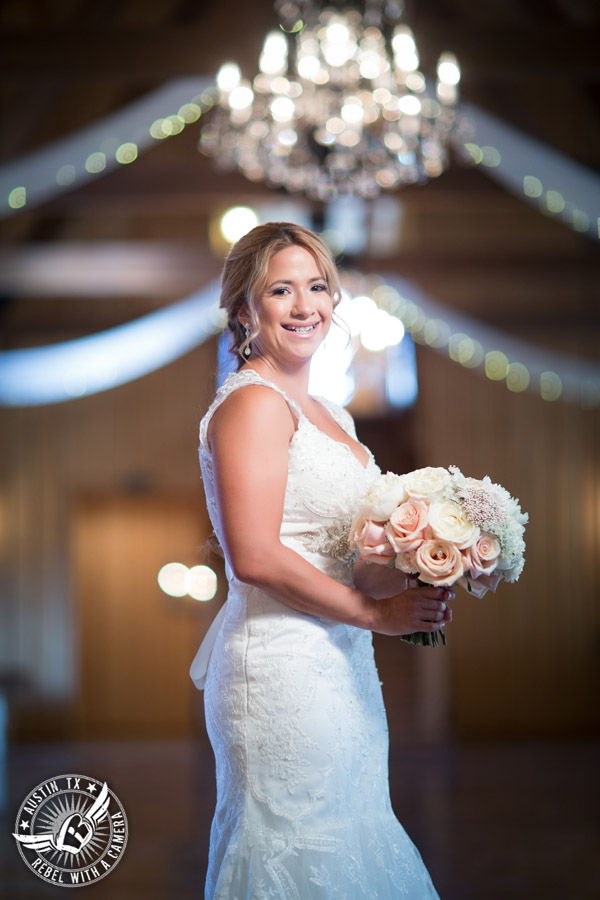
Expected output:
{"points": [[443, 528]]}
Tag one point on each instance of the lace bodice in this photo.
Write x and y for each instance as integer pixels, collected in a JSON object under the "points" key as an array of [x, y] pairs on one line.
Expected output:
{"points": [[320, 499]]}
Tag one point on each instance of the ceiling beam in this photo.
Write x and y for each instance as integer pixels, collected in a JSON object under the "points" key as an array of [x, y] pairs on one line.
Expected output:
{"points": [[150, 55]]}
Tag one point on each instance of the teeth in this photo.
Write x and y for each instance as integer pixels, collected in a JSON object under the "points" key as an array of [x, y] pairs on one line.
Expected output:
{"points": [[301, 329]]}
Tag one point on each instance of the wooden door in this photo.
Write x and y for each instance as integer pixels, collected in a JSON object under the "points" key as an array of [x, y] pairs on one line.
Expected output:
{"points": [[135, 642]]}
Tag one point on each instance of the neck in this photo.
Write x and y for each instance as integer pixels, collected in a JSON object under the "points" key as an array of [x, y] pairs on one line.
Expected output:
{"points": [[292, 380]]}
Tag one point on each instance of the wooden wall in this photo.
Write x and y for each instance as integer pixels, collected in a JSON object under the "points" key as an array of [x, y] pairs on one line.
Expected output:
{"points": [[524, 662], [133, 445], [527, 660]]}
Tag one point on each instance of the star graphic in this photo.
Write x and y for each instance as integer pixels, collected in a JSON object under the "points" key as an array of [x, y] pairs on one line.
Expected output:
{"points": [[24, 825], [92, 787]]}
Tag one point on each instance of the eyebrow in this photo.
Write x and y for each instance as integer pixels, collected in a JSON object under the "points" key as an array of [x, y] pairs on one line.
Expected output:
{"points": [[287, 281]]}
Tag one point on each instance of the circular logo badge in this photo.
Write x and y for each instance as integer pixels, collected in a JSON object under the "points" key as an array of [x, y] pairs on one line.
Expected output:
{"points": [[71, 830]]}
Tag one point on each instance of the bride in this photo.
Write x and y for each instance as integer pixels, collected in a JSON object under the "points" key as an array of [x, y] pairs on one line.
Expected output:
{"points": [[293, 701]]}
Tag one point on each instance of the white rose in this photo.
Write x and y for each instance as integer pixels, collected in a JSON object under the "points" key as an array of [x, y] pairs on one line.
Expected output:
{"points": [[448, 522], [427, 483], [385, 493]]}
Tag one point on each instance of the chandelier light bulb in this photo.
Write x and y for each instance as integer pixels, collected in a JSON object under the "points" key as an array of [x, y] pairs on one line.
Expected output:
{"points": [[406, 60], [352, 111], [336, 54], [308, 67], [241, 97], [372, 64], [275, 44], [409, 105], [337, 33], [403, 40], [448, 69], [283, 109], [228, 77]]}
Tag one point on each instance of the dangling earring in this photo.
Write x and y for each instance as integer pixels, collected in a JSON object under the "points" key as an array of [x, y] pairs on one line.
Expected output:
{"points": [[247, 333]]}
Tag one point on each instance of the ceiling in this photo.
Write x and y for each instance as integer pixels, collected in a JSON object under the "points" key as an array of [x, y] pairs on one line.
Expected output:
{"points": [[138, 237]]}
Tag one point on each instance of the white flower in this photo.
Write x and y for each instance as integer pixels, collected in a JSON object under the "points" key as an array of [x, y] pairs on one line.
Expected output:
{"points": [[449, 522], [384, 494], [429, 483], [511, 575]]}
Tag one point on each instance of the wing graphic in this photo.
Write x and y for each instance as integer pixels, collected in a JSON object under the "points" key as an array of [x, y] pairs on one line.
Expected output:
{"points": [[36, 841], [97, 810]]}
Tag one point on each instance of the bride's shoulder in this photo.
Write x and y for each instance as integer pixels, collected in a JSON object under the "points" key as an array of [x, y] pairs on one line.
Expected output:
{"points": [[245, 405]]}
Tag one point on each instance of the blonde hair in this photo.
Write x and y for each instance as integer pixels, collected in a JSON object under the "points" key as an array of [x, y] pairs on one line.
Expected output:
{"points": [[244, 275]]}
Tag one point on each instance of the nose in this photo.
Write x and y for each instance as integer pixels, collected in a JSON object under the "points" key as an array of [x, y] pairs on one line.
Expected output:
{"points": [[304, 303]]}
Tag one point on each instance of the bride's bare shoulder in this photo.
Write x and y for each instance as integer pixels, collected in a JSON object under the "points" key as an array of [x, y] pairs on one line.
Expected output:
{"points": [[253, 409]]}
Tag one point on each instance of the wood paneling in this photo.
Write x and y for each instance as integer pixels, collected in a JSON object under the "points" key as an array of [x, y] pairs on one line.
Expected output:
{"points": [[137, 442], [133, 640], [527, 660]]}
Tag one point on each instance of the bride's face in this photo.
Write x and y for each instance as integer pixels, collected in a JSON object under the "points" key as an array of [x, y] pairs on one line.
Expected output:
{"points": [[295, 308]]}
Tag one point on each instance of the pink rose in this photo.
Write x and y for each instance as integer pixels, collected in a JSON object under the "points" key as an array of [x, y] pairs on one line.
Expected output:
{"points": [[439, 562], [478, 587], [406, 527], [482, 557], [371, 540]]}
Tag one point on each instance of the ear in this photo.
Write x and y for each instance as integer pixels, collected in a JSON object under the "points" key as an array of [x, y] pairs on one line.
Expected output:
{"points": [[243, 315]]}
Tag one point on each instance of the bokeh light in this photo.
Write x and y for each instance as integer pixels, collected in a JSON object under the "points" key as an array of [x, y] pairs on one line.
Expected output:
{"points": [[555, 201], [496, 365], [172, 579], [550, 386], [176, 580], [517, 377], [126, 153], [201, 583], [95, 163], [237, 222], [66, 175], [532, 186], [17, 198]]}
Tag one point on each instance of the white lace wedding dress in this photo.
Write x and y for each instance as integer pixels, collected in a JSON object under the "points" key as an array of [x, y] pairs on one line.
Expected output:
{"points": [[295, 713]]}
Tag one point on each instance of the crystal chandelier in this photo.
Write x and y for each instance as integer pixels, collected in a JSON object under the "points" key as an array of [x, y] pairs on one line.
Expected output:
{"points": [[339, 105]]}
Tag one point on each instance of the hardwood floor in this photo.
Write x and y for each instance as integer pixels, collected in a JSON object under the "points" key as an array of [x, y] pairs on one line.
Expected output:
{"points": [[493, 822]]}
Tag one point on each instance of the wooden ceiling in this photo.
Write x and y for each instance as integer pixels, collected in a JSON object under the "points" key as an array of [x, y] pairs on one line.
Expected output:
{"points": [[140, 234]]}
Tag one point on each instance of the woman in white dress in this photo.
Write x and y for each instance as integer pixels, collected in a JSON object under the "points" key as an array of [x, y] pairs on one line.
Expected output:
{"points": [[293, 701]]}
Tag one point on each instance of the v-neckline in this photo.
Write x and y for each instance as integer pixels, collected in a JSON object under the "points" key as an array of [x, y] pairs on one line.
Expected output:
{"points": [[364, 466], [303, 417]]}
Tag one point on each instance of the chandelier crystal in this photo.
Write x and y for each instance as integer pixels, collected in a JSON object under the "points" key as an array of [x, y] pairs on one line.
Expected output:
{"points": [[339, 105]]}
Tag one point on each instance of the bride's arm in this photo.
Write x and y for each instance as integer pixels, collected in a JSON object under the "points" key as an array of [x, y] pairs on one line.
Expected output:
{"points": [[249, 437]]}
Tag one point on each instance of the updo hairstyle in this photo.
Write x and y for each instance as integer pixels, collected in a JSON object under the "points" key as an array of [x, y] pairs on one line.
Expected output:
{"points": [[244, 276]]}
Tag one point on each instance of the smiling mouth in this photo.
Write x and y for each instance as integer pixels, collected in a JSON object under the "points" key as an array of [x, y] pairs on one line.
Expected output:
{"points": [[301, 329]]}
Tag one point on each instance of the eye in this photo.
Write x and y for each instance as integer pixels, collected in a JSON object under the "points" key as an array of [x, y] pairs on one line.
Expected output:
{"points": [[320, 287], [279, 291]]}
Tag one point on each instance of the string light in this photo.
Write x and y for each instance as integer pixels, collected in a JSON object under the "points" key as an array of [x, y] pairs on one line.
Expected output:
{"points": [[117, 140], [375, 317], [556, 185], [527, 167], [518, 375]]}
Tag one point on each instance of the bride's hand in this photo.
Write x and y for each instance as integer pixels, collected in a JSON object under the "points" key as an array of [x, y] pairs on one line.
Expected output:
{"points": [[415, 609], [379, 581]]}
